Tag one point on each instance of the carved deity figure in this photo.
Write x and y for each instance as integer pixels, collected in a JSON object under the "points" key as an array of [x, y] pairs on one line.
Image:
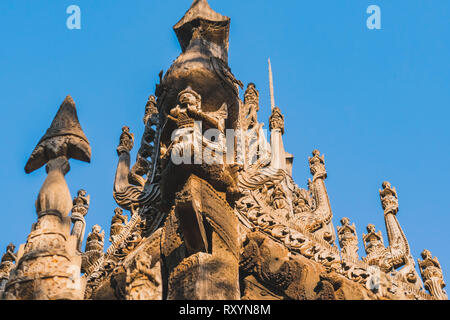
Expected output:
{"points": [[6, 266], [276, 120], [9, 256], [189, 109], [251, 106], [118, 223], [81, 200], [374, 245], [431, 272], [389, 198], [79, 211], [150, 109], [348, 239], [317, 165], [126, 140], [95, 239]]}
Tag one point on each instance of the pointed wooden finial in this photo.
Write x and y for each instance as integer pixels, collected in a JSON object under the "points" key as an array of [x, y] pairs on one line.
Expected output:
{"points": [[64, 138]]}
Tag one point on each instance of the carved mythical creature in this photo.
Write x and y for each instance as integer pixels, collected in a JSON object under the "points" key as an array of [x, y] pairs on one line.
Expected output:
{"points": [[278, 197], [143, 279], [303, 201]]}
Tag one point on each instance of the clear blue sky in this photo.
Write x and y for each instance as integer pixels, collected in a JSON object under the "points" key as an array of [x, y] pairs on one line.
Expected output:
{"points": [[375, 102]]}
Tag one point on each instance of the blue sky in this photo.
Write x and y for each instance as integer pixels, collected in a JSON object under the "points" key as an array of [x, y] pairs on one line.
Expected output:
{"points": [[375, 102]]}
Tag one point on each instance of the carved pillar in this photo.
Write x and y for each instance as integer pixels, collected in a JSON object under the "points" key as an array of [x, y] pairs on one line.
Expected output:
{"points": [[432, 277], [48, 264], [348, 240]]}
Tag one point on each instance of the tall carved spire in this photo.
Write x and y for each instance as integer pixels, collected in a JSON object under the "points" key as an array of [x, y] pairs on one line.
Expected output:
{"points": [[272, 95], [50, 260]]}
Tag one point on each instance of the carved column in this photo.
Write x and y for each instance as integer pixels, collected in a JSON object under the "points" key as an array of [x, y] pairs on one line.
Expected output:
{"points": [[48, 264]]}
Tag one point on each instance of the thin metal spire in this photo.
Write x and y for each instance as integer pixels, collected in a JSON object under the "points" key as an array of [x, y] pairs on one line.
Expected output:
{"points": [[272, 97]]}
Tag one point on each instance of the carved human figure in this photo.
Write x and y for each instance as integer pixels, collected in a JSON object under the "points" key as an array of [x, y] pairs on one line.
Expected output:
{"points": [[348, 239], [317, 165], [126, 141], [189, 109], [389, 198], [118, 222], [79, 211], [150, 109], [251, 106], [6, 266], [9, 256], [276, 120], [374, 246], [372, 240], [431, 272], [95, 239]]}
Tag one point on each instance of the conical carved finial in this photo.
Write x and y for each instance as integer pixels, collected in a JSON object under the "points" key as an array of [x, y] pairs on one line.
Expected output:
{"points": [[196, 23], [64, 138]]}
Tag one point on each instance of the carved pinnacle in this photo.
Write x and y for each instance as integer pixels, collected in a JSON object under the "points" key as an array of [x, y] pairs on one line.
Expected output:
{"points": [[64, 138]]}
